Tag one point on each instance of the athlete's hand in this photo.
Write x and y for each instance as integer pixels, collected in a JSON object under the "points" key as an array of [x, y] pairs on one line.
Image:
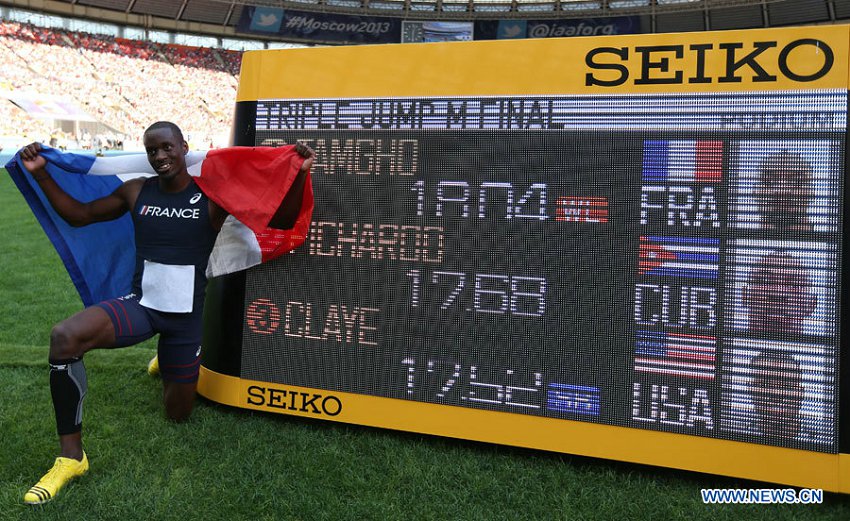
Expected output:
{"points": [[307, 153], [32, 158]]}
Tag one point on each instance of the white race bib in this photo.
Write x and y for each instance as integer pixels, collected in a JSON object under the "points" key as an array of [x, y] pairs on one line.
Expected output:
{"points": [[168, 287]]}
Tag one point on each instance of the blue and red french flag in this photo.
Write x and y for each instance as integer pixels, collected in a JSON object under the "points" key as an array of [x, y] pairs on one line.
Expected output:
{"points": [[682, 161], [249, 182]]}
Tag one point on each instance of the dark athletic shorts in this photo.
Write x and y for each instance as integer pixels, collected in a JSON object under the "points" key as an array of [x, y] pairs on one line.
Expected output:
{"points": [[179, 348]]}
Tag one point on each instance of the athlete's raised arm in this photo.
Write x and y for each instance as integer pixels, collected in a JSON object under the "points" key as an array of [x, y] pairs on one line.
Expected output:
{"points": [[289, 209], [74, 212]]}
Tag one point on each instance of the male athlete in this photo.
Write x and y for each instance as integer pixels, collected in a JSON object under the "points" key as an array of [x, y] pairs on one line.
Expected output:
{"points": [[779, 295], [777, 393], [784, 192], [169, 282]]}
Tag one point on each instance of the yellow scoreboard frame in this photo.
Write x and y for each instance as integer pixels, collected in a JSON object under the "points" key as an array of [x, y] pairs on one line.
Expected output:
{"points": [[737, 61]]}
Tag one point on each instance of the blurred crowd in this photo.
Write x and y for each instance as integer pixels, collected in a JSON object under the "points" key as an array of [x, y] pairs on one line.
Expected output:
{"points": [[123, 84]]}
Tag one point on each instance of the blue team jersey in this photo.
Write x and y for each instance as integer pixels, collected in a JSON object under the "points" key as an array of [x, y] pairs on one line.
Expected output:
{"points": [[174, 238]]}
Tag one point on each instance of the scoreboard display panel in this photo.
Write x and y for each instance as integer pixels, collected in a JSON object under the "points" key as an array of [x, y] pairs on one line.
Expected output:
{"points": [[619, 247]]}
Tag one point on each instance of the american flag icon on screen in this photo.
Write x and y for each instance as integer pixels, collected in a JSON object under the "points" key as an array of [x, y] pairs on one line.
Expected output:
{"points": [[689, 257], [682, 161], [674, 354]]}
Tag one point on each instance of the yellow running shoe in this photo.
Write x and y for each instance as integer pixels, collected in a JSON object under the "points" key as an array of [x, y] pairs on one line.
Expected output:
{"points": [[63, 471], [153, 366]]}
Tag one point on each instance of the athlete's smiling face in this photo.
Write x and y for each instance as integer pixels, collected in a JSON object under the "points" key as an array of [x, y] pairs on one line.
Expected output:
{"points": [[166, 152]]}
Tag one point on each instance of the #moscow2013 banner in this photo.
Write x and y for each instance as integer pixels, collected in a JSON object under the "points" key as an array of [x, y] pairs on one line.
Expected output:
{"points": [[348, 28]]}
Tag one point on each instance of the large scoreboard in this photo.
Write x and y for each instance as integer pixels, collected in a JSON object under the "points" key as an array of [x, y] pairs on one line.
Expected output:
{"points": [[627, 248]]}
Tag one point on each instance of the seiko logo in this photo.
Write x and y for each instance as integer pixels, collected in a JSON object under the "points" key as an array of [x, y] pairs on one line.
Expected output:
{"points": [[195, 198], [291, 400], [658, 63], [179, 213]]}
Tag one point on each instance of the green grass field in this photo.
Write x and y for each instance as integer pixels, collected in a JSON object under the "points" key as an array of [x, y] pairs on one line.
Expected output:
{"points": [[232, 464]]}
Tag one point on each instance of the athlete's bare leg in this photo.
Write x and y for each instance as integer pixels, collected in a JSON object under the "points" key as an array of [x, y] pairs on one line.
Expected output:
{"points": [[179, 398]]}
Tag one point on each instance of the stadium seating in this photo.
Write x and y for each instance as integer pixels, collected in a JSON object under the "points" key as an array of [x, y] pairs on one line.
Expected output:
{"points": [[124, 84]]}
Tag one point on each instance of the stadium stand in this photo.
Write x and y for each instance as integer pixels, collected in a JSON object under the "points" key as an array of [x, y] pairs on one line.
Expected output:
{"points": [[123, 84]]}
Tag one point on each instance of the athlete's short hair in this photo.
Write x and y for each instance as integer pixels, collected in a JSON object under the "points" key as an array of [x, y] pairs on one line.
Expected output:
{"points": [[169, 125]]}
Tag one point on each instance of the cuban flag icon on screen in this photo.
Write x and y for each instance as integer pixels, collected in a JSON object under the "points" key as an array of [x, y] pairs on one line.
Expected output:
{"points": [[682, 161], [689, 257]]}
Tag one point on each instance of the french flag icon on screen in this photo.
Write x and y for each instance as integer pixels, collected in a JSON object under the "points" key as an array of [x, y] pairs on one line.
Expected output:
{"points": [[689, 257], [682, 161]]}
